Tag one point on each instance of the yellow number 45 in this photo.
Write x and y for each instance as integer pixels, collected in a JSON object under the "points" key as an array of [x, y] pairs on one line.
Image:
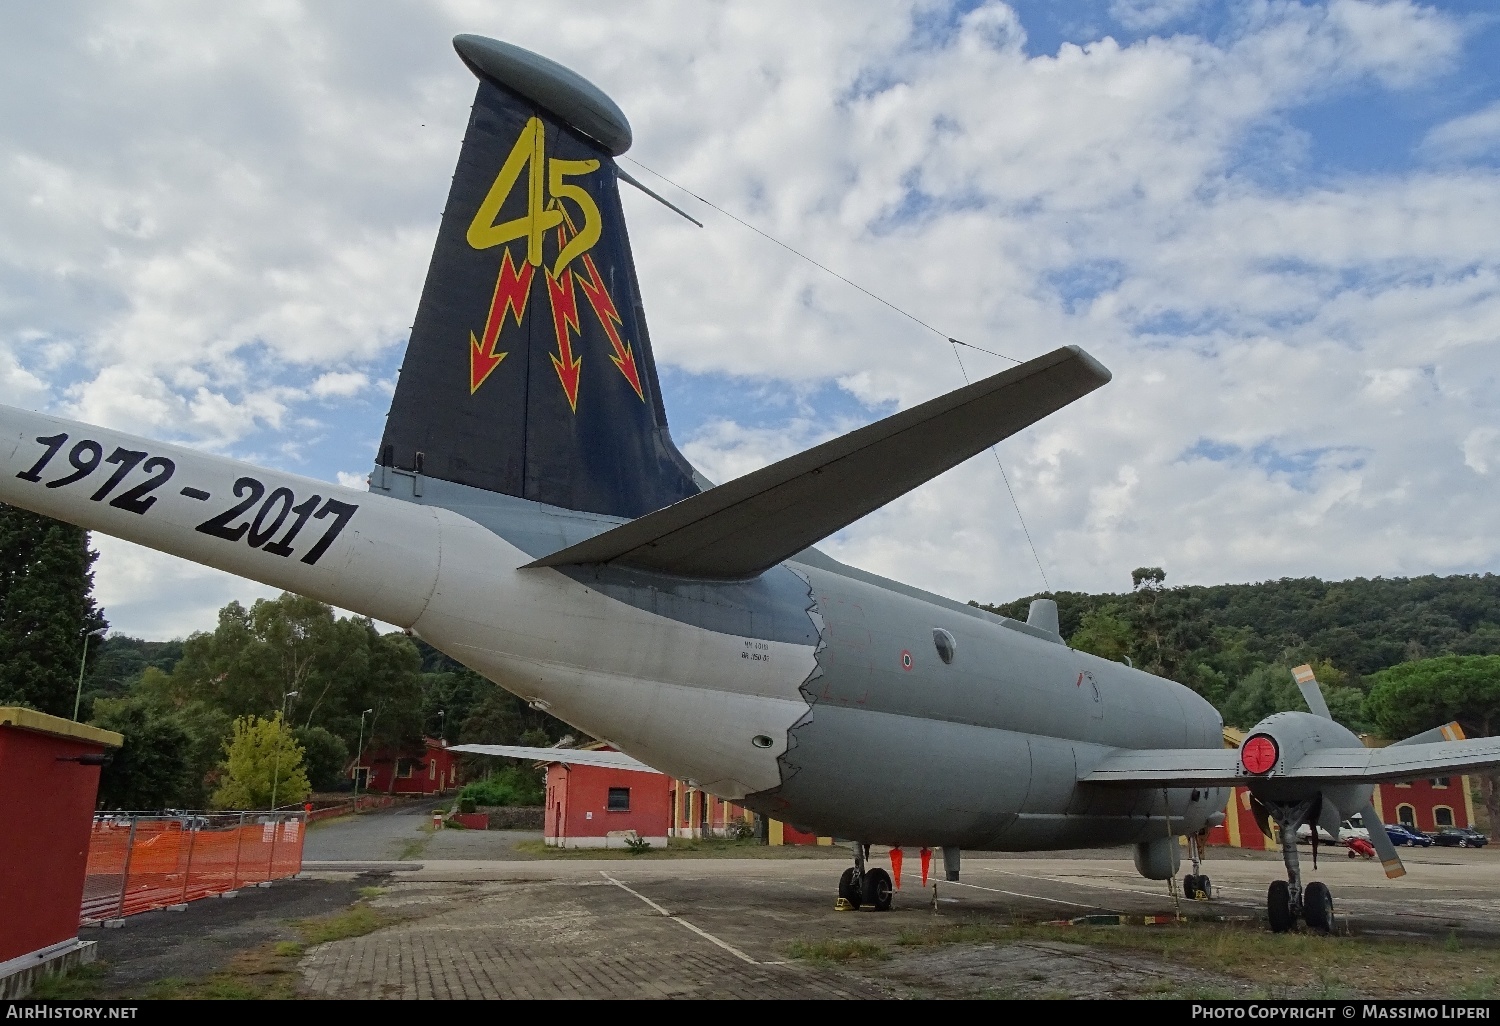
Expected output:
{"points": [[529, 154]]}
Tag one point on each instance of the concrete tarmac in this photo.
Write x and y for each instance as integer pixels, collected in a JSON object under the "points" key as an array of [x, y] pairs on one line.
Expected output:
{"points": [[723, 927]]}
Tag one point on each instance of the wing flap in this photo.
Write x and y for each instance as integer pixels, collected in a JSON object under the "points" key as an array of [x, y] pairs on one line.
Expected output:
{"points": [[571, 756], [744, 527]]}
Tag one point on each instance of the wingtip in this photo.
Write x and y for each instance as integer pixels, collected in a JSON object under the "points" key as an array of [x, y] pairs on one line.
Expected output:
{"points": [[1087, 359]]}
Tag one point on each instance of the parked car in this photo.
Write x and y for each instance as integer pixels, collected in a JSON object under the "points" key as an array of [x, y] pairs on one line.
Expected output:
{"points": [[1347, 830], [1460, 837], [1402, 834]]}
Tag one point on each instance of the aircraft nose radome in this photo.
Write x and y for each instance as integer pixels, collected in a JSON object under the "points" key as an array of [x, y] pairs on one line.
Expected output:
{"points": [[561, 90]]}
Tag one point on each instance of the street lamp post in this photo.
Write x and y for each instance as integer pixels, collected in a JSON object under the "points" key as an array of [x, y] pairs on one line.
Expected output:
{"points": [[442, 724], [98, 632], [359, 756], [276, 774]]}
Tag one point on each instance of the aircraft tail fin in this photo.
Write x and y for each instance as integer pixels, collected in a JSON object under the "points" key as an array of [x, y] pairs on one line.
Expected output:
{"points": [[529, 371]]}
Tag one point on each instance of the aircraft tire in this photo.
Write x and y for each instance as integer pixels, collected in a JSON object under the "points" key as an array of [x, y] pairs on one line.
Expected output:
{"points": [[1190, 887], [1279, 907], [1205, 888], [1317, 907], [847, 890], [877, 890]]}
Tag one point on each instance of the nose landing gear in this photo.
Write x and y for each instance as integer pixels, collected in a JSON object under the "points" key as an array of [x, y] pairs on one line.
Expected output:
{"points": [[864, 887], [1286, 900]]}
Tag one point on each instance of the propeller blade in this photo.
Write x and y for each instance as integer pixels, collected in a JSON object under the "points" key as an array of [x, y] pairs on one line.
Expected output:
{"points": [[1381, 841], [1311, 693]]}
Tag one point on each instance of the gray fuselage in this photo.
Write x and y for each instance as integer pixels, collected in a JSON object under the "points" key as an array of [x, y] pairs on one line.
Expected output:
{"points": [[896, 745]]}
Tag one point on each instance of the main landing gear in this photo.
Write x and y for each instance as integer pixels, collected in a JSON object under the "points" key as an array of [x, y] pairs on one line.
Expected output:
{"points": [[1287, 901], [864, 887], [1196, 886]]}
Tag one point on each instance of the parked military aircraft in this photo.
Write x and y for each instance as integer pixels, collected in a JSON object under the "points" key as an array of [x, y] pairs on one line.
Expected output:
{"points": [[529, 514]]}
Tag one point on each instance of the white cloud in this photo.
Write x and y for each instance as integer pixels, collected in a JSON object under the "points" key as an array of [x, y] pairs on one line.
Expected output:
{"points": [[340, 383], [1468, 136], [1149, 14]]}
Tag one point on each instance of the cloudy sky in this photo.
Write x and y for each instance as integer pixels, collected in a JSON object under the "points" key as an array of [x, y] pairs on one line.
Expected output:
{"points": [[1277, 223]]}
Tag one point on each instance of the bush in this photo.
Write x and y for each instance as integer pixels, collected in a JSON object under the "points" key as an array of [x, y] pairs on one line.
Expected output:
{"points": [[514, 785], [465, 805]]}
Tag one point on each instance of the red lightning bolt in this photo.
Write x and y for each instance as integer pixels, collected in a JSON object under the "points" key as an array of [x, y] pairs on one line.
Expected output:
{"points": [[565, 321], [622, 357], [512, 289]]}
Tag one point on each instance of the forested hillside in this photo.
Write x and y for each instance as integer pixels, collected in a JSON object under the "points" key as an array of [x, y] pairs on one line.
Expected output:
{"points": [[1234, 643]]}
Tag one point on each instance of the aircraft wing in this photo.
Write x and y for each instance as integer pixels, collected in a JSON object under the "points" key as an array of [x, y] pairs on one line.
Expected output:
{"points": [[572, 756], [1209, 767], [744, 527]]}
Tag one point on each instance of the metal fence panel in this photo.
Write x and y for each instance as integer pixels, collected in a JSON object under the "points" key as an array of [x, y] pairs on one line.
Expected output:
{"points": [[139, 862]]}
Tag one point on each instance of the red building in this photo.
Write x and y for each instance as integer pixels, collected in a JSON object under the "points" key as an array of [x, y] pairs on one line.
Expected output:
{"points": [[602, 807], [46, 812], [428, 770]]}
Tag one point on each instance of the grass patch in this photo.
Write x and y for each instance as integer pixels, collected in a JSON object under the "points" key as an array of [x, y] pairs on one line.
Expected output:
{"points": [[371, 892], [1304, 964], [829, 951], [289, 949], [414, 848], [960, 933], [74, 985], [354, 921]]}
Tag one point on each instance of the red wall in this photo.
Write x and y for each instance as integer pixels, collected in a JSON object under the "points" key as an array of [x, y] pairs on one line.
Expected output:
{"points": [[573, 792], [1424, 797], [46, 812], [422, 780]]}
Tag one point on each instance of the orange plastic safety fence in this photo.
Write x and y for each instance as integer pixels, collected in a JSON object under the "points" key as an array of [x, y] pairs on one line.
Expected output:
{"points": [[139, 863]]}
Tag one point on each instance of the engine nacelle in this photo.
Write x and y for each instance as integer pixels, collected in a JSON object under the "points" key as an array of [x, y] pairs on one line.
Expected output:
{"points": [[1278, 743]]}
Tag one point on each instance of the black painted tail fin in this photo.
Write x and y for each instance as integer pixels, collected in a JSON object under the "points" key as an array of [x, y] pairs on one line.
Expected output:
{"points": [[529, 370]]}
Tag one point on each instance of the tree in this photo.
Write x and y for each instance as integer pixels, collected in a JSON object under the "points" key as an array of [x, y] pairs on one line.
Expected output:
{"points": [[46, 609], [336, 666], [1417, 696], [326, 757], [262, 758], [152, 769], [1103, 634]]}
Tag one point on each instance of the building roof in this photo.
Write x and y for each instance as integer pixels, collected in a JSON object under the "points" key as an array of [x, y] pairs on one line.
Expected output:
{"points": [[42, 723]]}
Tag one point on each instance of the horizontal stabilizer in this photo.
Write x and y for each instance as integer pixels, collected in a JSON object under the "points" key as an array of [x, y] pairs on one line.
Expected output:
{"points": [[743, 528], [570, 756], [1208, 767]]}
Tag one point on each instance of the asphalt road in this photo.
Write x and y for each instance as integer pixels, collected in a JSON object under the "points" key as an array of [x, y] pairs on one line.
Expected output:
{"points": [[399, 834]]}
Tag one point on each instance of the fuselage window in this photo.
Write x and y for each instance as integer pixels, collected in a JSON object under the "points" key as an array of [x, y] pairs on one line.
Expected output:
{"points": [[946, 646]]}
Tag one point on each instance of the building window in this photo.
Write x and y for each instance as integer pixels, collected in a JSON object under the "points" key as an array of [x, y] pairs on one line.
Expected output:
{"points": [[432, 771], [404, 767], [1404, 785], [1439, 781], [619, 799], [1407, 816], [1442, 816]]}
